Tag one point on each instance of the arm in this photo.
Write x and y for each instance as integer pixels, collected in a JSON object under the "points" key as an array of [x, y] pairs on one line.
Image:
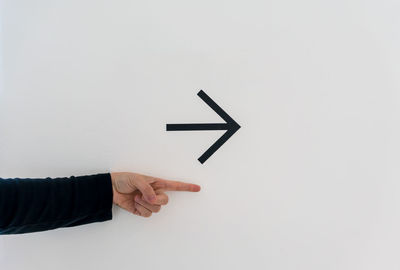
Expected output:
{"points": [[29, 205]]}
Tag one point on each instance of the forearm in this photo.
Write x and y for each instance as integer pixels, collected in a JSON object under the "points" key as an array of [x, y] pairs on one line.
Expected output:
{"points": [[29, 205]]}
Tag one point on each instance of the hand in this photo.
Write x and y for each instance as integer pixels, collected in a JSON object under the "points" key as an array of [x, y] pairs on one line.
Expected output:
{"points": [[143, 195]]}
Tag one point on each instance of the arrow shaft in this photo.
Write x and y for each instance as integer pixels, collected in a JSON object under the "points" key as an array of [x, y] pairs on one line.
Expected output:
{"points": [[187, 127]]}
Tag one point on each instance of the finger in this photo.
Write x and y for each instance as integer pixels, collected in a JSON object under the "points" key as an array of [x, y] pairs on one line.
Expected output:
{"points": [[130, 206], [142, 210], [151, 207], [162, 198], [174, 185], [146, 189], [159, 191]]}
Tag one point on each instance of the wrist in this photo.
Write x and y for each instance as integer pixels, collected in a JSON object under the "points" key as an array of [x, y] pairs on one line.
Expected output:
{"points": [[114, 188]]}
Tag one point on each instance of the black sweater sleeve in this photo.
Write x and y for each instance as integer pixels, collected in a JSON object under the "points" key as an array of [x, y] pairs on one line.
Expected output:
{"points": [[30, 205]]}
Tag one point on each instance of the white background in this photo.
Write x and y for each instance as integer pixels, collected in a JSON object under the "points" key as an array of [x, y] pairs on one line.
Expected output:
{"points": [[310, 181]]}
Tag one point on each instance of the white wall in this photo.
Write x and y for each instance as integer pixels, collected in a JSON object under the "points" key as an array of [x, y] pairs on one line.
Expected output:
{"points": [[310, 181]]}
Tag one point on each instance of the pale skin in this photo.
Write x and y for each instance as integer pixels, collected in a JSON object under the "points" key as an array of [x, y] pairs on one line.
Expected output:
{"points": [[144, 195]]}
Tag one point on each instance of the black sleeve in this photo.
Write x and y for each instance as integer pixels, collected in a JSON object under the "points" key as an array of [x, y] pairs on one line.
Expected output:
{"points": [[30, 205]]}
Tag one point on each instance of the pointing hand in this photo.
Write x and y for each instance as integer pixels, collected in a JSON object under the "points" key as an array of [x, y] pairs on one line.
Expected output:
{"points": [[143, 195]]}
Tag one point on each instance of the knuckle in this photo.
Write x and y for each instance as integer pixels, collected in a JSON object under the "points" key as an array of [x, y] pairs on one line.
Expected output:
{"points": [[148, 189]]}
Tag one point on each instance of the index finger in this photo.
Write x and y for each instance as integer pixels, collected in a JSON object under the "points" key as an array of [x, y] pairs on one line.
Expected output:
{"points": [[174, 185]]}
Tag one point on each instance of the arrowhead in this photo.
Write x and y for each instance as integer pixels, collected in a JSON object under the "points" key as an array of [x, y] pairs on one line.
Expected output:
{"points": [[232, 126]]}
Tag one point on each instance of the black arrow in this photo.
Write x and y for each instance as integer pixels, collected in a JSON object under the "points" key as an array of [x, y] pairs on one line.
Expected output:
{"points": [[230, 126]]}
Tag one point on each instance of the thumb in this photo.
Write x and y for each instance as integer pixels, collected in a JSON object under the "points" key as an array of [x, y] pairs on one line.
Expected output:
{"points": [[146, 189]]}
